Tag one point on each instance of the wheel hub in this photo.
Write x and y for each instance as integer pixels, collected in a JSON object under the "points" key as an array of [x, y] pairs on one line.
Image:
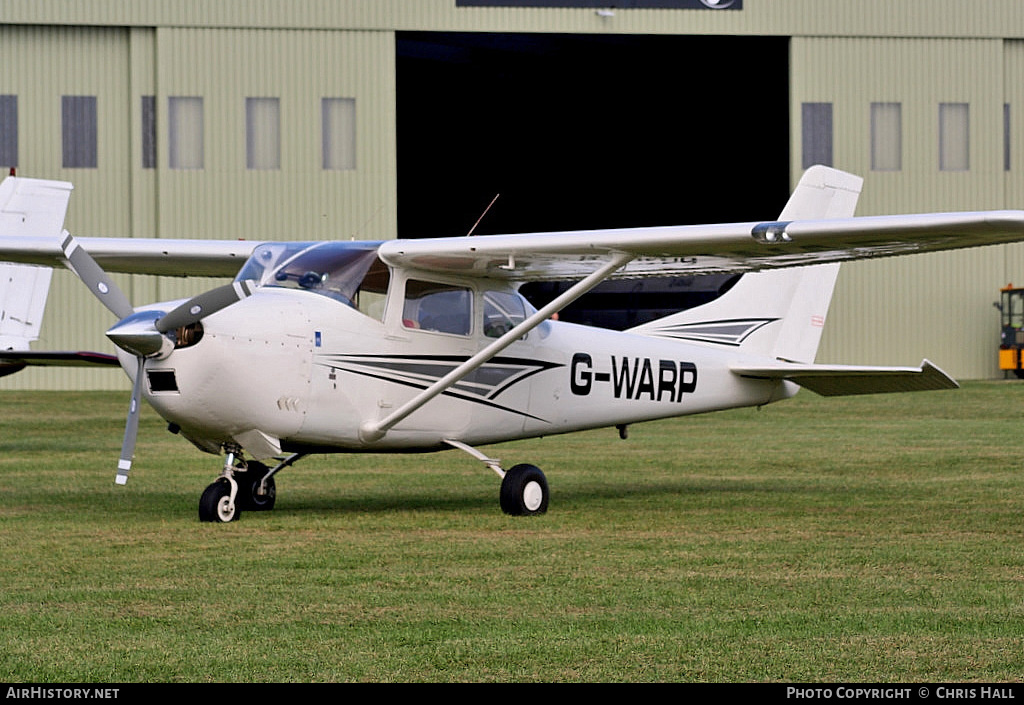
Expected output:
{"points": [[533, 495], [225, 509]]}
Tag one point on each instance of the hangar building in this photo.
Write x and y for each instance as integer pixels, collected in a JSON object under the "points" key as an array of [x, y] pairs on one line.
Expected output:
{"points": [[317, 119]]}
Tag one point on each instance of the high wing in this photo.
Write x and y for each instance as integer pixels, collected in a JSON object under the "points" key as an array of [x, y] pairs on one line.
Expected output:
{"points": [[659, 251], [32, 213], [704, 249], [815, 227]]}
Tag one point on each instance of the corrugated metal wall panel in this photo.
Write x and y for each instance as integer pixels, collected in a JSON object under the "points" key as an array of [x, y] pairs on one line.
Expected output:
{"points": [[918, 74], [299, 200], [1013, 79], [937, 306]]}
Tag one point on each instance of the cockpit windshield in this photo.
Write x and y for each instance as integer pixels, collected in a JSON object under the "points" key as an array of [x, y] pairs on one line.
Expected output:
{"points": [[349, 272]]}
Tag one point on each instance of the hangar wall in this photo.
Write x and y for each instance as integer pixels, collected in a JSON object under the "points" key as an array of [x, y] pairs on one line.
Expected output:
{"points": [[936, 306], [860, 59], [132, 80]]}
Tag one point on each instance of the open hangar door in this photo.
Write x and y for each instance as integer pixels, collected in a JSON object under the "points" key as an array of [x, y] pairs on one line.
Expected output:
{"points": [[591, 131]]}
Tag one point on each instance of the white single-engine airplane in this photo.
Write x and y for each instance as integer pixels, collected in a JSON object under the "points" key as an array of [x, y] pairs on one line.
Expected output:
{"points": [[426, 345]]}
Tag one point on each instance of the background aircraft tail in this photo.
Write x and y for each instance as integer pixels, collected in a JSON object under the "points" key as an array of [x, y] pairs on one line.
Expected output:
{"points": [[28, 208], [32, 208], [780, 313], [23, 292]]}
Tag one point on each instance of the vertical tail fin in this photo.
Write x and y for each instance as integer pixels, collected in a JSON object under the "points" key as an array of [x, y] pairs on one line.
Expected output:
{"points": [[33, 206], [823, 193], [780, 313], [28, 208]]}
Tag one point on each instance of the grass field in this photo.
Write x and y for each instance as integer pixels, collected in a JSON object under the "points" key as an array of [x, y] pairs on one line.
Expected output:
{"points": [[868, 539]]}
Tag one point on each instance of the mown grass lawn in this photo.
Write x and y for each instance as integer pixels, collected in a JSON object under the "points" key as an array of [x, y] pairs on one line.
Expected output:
{"points": [[868, 539]]}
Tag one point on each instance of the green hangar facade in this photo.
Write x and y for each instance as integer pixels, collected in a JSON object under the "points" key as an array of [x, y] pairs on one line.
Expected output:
{"points": [[374, 119]]}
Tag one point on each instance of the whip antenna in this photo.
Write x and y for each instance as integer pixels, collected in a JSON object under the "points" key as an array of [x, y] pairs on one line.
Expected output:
{"points": [[483, 214]]}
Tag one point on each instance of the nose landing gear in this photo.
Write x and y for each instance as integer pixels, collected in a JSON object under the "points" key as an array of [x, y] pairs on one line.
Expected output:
{"points": [[218, 501], [243, 485]]}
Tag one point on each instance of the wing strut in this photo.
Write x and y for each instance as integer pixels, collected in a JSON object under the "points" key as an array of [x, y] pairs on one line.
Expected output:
{"points": [[371, 431]]}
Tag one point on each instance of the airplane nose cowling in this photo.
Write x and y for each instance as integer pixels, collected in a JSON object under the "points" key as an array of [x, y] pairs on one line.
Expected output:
{"points": [[138, 335]]}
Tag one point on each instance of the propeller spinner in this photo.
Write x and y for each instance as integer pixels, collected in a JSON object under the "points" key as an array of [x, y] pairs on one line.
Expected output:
{"points": [[144, 334]]}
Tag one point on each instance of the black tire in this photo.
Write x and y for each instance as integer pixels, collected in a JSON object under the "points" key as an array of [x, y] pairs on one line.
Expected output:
{"points": [[214, 505], [248, 486], [524, 491]]}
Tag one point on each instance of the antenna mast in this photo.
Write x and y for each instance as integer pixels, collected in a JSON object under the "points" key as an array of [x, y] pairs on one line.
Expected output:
{"points": [[483, 214]]}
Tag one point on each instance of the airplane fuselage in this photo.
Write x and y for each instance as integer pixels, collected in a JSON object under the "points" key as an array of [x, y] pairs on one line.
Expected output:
{"points": [[304, 372]]}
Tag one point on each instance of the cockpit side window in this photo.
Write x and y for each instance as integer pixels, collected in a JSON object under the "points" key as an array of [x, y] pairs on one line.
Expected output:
{"points": [[503, 310], [442, 308], [371, 296]]}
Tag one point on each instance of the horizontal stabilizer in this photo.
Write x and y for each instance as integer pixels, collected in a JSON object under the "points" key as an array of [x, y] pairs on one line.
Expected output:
{"points": [[842, 380]]}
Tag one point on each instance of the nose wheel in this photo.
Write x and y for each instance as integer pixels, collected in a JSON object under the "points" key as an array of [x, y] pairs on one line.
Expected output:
{"points": [[218, 502], [243, 485]]}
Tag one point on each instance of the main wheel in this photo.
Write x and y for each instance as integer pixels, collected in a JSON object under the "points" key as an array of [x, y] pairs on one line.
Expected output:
{"points": [[248, 489], [524, 491], [215, 504]]}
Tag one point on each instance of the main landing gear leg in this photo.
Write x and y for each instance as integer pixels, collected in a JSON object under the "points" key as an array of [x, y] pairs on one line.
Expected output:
{"points": [[524, 489]]}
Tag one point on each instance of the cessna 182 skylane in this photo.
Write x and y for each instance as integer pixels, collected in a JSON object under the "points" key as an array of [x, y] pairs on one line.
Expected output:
{"points": [[426, 345]]}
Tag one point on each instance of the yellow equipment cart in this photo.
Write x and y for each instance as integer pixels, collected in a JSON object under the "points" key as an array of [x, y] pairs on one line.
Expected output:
{"points": [[1011, 329]]}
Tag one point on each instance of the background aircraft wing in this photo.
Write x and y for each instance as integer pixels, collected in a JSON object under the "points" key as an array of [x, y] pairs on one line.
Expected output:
{"points": [[12, 361], [704, 249], [191, 258], [32, 215]]}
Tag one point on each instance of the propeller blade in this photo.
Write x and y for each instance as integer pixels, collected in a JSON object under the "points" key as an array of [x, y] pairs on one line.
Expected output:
{"points": [[205, 304], [101, 285], [131, 428]]}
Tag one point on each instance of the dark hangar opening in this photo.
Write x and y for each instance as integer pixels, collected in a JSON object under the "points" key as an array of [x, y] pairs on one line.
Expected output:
{"points": [[590, 131]]}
